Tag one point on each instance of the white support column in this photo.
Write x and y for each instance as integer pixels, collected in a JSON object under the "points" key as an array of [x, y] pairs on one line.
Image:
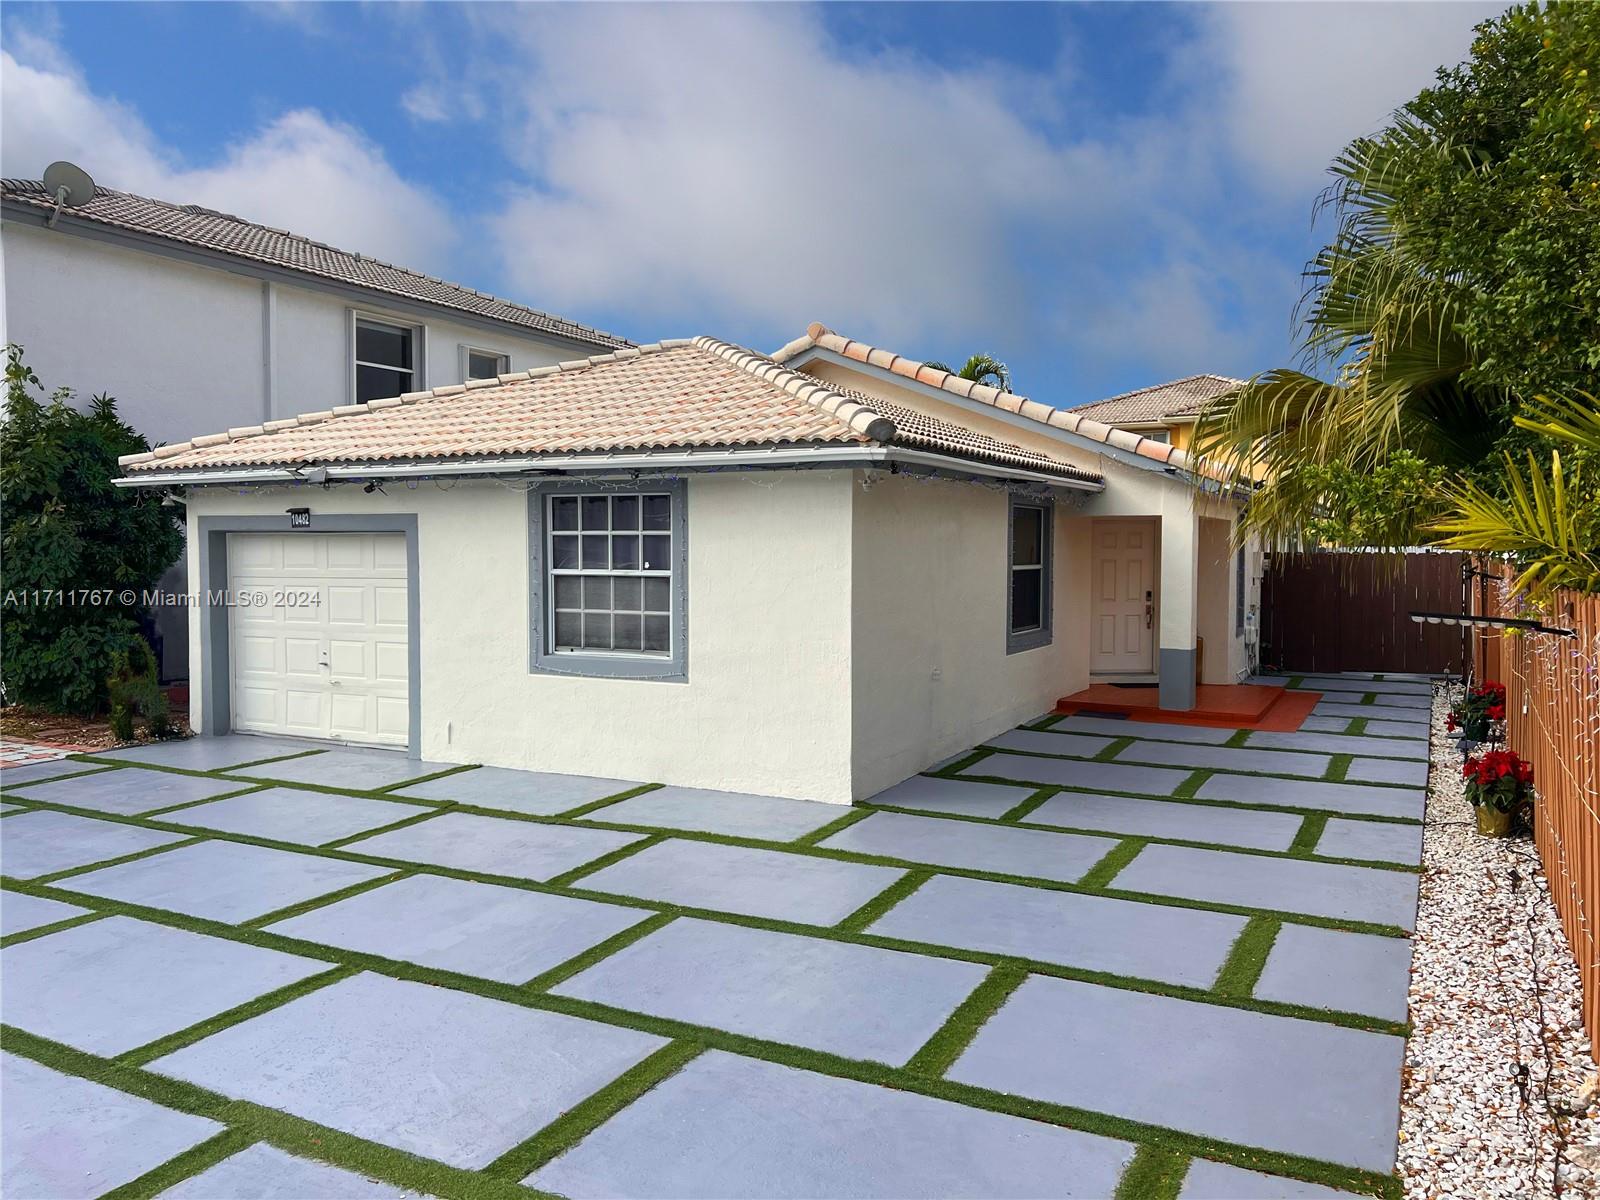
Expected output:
{"points": [[1180, 559]]}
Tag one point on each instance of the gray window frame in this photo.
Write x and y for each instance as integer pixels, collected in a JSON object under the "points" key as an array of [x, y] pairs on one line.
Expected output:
{"points": [[670, 668], [1018, 641], [468, 349], [1240, 581], [419, 348]]}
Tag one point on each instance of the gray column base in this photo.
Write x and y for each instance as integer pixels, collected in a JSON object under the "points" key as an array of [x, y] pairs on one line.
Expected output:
{"points": [[1176, 682]]}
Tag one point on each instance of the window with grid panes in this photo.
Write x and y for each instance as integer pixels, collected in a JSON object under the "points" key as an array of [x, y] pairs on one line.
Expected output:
{"points": [[610, 559]]}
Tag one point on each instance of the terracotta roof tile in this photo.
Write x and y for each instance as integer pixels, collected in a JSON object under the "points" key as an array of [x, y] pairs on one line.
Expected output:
{"points": [[672, 395], [205, 228], [1070, 420], [1180, 398]]}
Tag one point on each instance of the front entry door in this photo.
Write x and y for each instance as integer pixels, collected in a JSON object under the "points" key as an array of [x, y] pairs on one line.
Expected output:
{"points": [[1124, 598]]}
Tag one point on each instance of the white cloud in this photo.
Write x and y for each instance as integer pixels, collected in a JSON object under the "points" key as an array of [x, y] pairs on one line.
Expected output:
{"points": [[736, 162], [1299, 81], [733, 161], [300, 171]]}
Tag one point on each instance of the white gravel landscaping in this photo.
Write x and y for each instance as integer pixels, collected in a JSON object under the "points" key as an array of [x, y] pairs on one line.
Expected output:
{"points": [[1499, 1101]]}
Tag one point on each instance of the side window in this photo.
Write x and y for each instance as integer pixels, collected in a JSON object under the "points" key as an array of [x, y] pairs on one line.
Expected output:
{"points": [[1029, 571], [609, 580], [1238, 594], [386, 360], [483, 364]]}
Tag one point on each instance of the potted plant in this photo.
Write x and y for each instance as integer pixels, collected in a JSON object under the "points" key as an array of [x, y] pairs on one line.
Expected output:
{"points": [[1474, 715], [1499, 782]]}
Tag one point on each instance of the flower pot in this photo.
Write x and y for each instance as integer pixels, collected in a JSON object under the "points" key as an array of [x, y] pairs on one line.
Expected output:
{"points": [[1491, 821]]}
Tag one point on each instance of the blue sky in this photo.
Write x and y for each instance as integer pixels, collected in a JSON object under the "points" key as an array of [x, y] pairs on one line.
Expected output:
{"points": [[1104, 195]]}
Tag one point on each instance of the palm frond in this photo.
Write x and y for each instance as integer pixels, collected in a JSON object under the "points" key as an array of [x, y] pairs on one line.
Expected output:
{"points": [[1552, 539]]}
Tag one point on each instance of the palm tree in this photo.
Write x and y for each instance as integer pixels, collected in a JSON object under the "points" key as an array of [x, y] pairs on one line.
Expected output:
{"points": [[1382, 326], [980, 368], [1549, 524]]}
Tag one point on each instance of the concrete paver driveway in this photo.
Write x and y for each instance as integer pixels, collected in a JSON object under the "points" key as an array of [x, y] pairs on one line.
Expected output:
{"points": [[1095, 957]]}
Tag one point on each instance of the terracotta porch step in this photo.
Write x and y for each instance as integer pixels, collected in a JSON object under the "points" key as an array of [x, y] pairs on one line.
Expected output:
{"points": [[1234, 706]]}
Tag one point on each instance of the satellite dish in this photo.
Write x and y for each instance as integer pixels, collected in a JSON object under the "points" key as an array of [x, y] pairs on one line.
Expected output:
{"points": [[69, 185]]}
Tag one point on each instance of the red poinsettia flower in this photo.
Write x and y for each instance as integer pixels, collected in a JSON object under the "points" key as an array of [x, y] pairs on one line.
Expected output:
{"points": [[1497, 712]]}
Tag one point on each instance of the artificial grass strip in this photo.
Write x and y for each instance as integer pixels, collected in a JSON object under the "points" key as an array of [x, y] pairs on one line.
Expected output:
{"points": [[118, 860], [1308, 835], [277, 998], [1357, 726], [578, 963], [1369, 697], [183, 804], [1338, 766], [951, 769], [425, 815], [604, 801], [939, 1053], [832, 827], [651, 836], [1237, 739], [190, 1163], [291, 1134], [495, 990], [1248, 957], [308, 1140], [567, 878], [1116, 747], [579, 1121], [778, 1052], [27, 935], [304, 906], [1294, 681], [1187, 789], [1103, 872], [880, 904], [429, 778], [1154, 1174], [1021, 811]]}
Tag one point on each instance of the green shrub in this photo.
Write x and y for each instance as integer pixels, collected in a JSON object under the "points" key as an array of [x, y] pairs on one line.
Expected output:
{"points": [[134, 689], [78, 553]]}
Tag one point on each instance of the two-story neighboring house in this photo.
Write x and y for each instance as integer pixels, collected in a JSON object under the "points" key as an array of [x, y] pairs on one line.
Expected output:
{"points": [[195, 319], [1166, 412]]}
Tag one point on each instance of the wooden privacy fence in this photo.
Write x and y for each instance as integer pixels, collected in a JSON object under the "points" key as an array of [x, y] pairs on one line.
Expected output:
{"points": [[1553, 721], [1350, 611]]}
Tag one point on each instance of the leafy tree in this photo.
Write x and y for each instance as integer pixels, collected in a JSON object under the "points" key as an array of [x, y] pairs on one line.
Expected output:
{"points": [[1511, 212], [67, 532], [980, 368], [1425, 326]]}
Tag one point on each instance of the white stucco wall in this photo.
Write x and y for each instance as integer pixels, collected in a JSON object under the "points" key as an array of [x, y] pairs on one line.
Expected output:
{"points": [[931, 672], [186, 349], [180, 347], [312, 367], [767, 705]]}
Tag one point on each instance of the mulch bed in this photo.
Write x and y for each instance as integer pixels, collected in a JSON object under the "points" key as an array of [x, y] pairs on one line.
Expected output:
{"points": [[65, 732]]}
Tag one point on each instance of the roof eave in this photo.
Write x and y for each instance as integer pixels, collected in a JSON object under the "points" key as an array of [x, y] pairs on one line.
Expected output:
{"points": [[13, 208], [820, 456], [796, 358]]}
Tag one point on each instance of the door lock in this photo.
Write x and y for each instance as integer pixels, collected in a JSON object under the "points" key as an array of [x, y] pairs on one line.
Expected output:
{"points": [[1149, 609]]}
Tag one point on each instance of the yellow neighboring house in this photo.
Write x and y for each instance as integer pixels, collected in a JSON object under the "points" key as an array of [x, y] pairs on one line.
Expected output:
{"points": [[1166, 412]]}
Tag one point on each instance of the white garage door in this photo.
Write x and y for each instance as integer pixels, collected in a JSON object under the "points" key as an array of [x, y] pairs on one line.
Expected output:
{"points": [[324, 655]]}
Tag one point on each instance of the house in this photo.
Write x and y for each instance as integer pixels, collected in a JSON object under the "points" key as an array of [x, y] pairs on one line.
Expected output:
{"points": [[195, 319], [1166, 412], [811, 574]]}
